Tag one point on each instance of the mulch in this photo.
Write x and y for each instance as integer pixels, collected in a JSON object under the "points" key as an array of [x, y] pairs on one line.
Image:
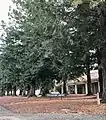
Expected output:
{"points": [[71, 104]]}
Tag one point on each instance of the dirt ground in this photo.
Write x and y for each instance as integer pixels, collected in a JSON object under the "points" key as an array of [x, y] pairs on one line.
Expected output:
{"points": [[72, 104]]}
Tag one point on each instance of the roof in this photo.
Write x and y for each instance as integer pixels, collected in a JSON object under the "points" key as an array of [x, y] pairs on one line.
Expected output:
{"points": [[94, 75], [83, 79]]}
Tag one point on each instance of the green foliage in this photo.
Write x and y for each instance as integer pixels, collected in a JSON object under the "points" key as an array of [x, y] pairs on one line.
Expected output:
{"points": [[64, 31]]}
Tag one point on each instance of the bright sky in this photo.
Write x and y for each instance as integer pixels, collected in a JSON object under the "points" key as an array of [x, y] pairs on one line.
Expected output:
{"points": [[4, 8]]}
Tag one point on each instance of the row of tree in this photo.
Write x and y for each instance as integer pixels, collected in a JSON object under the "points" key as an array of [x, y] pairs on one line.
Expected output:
{"points": [[52, 39]]}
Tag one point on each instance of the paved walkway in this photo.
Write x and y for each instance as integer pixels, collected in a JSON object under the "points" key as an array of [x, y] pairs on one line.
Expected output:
{"points": [[8, 115]]}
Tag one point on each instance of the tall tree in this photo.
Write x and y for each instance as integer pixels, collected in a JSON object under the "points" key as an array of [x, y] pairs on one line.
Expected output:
{"points": [[103, 44]]}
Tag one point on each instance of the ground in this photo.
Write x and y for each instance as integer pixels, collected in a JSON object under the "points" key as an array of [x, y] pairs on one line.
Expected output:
{"points": [[69, 108], [72, 104]]}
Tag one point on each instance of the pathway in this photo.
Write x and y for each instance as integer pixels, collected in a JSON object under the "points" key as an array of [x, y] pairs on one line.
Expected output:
{"points": [[8, 115]]}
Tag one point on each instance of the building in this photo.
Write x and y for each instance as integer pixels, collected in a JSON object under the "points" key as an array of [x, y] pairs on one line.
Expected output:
{"points": [[79, 85]]}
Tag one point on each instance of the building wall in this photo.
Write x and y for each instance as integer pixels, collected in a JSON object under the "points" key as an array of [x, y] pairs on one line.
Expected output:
{"points": [[81, 88], [95, 87]]}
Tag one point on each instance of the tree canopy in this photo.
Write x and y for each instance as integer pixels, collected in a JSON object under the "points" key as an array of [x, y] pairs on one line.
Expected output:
{"points": [[62, 32]]}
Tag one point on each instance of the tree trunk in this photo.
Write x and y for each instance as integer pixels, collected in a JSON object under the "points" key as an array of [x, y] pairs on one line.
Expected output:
{"points": [[102, 21], [100, 71], [7, 92], [2, 92], [28, 90], [20, 92], [64, 84], [14, 91], [104, 72], [11, 91], [101, 81], [90, 92], [24, 92], [31, 92], [64, 87]]}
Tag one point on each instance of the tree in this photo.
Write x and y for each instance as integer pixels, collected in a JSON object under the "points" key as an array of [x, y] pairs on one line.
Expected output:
{"points": [[47, 73], [27, 39], [99, 31], [57, 30], [83, 31], [103, 46], [64, 48]]}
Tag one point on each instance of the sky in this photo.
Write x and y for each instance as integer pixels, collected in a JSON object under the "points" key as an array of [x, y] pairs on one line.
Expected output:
{"points": [[4, 8]]}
